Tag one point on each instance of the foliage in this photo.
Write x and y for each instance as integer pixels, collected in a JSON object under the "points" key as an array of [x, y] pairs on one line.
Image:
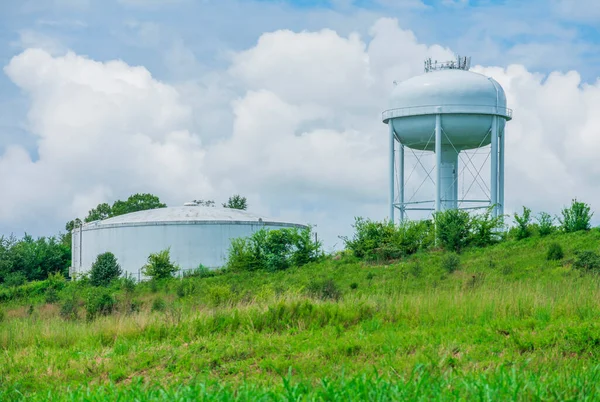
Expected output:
{"points": [[555, 252], [159, 304], [69, 309], [575, 218], [485, 229], [384, 240], [66, 238], [32, 259], [324, 289], [200, 272], [450, 262], [453, 229], [15, 279], [159, 265], [545, 224], [273, 250], [99, 302], [587, 261], [105, 270], [236, 201], [523, 221], [135, 202]]}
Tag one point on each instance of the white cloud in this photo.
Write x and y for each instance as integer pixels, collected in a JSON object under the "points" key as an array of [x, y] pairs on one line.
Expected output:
{"points": [[29, 38], [293, 122]]}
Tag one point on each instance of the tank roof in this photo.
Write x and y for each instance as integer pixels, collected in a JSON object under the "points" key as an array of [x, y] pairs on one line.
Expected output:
{"points": [[187, 215]]}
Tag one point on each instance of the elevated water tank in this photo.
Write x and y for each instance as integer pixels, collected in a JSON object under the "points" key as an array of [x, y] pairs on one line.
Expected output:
{"points": [[447, 110]]}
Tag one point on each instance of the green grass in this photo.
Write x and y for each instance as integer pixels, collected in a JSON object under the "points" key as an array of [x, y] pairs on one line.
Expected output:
{"points": [[508, 324]]}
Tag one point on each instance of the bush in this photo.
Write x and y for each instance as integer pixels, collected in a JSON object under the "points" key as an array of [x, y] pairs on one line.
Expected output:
{"points": [[99, 302], [523, 229], [159, 304], [200, 272], [354, 286], [159, 265], [127, 284], [575, 218], [587, 261], [453, 229], [485, 229], [555, 252], [105, 270], [2, 316], [69, 309], [273, 250], [450, 262], [324, 289], [385, 241], [15, 279], [51, 296], [545, 224]]}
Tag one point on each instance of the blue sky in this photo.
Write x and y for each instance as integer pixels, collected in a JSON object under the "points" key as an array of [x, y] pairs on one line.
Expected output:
{"points": [[197, 45]]}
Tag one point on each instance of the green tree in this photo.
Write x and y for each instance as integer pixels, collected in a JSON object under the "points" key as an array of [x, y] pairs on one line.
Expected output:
{"points": [[105, 270], [523, 229], [453, 229], [67, 236], [159, 265], [236, 201], [545, 224], [136, 202], [576, 217], [102, 211], [204, 203]]}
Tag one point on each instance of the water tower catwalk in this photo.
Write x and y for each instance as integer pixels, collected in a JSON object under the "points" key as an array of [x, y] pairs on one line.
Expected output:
{"points": [[447, 110]]}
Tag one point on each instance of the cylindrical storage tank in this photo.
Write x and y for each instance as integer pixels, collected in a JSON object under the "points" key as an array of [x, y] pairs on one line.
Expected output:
{"points": [[194, 234]]}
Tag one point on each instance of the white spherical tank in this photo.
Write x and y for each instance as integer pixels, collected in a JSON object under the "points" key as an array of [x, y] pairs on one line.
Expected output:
{"points": [[447, 110], [194, 234]]}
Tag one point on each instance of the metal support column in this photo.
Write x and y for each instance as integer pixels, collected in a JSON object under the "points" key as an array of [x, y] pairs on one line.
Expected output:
{"points": [[494, 167], [401, 180], [392, 171], [501, 175], [438, 161]]}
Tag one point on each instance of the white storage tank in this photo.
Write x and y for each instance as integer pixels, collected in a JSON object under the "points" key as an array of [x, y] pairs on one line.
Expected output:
{"points": [[195, 235]]}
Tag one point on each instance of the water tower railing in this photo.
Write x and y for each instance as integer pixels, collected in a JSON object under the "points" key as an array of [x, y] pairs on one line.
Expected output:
{"points": [[446, 109]]}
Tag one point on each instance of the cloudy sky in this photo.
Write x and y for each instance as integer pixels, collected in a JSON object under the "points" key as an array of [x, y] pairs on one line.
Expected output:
{"points": [[277, 100]]}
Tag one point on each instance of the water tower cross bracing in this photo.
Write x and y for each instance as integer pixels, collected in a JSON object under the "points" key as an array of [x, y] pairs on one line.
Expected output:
{"points": [[448, 110]]}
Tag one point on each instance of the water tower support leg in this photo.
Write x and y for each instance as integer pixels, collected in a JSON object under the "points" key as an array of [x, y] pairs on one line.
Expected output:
{"points": [[392, 170], [401, 180], [494, 167], [501, 176], [438, 162]]}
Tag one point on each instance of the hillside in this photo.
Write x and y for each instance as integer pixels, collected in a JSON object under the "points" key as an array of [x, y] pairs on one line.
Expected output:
{"points": [[506, 324]]}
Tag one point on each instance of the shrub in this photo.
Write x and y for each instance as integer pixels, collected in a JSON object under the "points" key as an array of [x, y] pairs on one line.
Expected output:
{"points": [[104, 270], [219, 295], [15, 279], [51, 296], [200, 272], [69, 309], [127, 284], [385, 241], [545, 224], [273, 250], [99, 302], [575, 218], [324, 289], [587, 261], [555, 252], [159, 304], [484, 229], [453, 229], [523, 229], [2, 316], [450, 262], [159, 265], [354, 286]]}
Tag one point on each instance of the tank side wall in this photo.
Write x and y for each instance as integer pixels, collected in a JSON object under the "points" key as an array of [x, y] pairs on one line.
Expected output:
{"points": [[190, 245]]}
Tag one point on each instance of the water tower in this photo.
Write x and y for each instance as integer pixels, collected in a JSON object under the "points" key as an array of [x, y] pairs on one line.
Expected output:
{"points": [[447, 110]]}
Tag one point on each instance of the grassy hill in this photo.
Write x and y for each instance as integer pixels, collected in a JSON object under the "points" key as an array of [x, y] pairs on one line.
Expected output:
{"points": [[506, 324]]}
